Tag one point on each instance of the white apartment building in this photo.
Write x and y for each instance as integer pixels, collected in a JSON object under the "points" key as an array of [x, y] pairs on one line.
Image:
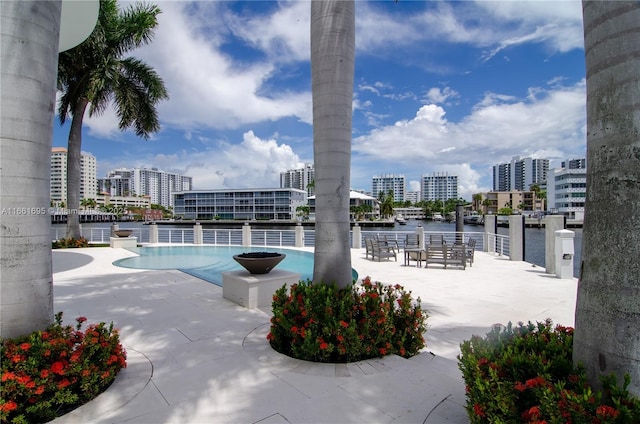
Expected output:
{"points": [[58, 182], [385, 183], [439, 186], [519, 174], [158, 185], [240, 204], [301, 178], [567, 189], [412, 196]]}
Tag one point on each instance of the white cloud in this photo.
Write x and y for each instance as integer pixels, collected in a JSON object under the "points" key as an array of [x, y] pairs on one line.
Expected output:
{"points": [[437, 95], [550, 125]]}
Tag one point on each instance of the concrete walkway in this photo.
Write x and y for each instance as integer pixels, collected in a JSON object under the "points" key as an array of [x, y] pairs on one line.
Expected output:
{"points": [[195, 357]]}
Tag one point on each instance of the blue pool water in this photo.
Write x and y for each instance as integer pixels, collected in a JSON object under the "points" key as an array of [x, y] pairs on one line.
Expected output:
{"points": [[209, 262]]}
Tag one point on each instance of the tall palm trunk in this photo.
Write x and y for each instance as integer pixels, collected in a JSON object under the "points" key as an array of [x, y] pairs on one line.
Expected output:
{"points": [[74, 164], [332, 68], [607, 335], [29, 51]]}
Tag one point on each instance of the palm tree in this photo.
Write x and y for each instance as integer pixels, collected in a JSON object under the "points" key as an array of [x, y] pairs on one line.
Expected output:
{"points": [[477, 201], [29, 37], [332, 69], [96, 74], [607, 327]]}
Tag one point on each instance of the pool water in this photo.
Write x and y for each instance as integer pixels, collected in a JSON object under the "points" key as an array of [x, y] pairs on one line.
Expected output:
{"points": [[209, 262]]}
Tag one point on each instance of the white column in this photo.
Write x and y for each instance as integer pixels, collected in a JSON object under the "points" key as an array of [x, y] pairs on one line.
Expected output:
{"points": [[564, 253], [552, 223], [516, 238], [197, 234], [299, 235], [357, 237], [246, 234]]}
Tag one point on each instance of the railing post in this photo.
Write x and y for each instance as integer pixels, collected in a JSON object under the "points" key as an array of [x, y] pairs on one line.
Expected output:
{"points": [[246, 234], [299, 235], [516, 238], [420, 232], [197, 234], [564, 253], [356, 243], [490, 228], [153, 233], [552, 223]]}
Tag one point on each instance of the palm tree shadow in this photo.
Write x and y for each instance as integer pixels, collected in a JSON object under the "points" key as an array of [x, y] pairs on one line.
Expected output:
{"points": [[70, 261]]}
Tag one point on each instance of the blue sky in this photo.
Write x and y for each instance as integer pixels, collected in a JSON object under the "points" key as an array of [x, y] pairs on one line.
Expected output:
{"points": [[439, 87]]}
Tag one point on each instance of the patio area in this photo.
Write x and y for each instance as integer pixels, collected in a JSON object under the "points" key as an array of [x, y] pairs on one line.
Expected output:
{"points": [[195, 357]]}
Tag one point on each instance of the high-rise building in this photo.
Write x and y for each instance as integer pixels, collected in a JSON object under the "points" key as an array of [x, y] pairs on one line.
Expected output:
{"points": [[574, 164], [519, 174], [301, 178], [58, 183], [412, 196], [158, 185], [567, 189], [389, 182], [439, 186], [118, 182]]}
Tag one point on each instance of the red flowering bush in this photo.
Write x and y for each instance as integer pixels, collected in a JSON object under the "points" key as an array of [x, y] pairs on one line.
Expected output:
{"points": [[321, 323], [48, 373], [525, 374], [70, 242]]}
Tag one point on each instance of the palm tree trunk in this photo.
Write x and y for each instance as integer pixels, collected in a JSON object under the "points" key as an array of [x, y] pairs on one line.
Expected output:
{"points": [[74, 165], [29, 51], [607, 334], [332, 68]]}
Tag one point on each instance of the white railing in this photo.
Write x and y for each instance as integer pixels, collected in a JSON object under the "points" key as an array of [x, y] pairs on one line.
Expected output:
{"points": [[494, 243]]}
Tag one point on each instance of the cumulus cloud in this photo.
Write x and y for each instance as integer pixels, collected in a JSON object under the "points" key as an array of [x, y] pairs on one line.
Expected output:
{"points": [[550, 125], [252, 162]]}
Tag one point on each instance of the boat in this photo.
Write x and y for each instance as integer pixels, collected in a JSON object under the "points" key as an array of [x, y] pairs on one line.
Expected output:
{"points": [[437, 217], [474, 220], [400, 220]]}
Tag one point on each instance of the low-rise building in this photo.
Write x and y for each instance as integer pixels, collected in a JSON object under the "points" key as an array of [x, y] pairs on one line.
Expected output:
{"points": [[239, 204]]}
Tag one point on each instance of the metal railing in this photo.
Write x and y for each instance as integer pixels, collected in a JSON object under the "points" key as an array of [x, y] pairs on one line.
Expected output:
{"points": [[494, 243]]}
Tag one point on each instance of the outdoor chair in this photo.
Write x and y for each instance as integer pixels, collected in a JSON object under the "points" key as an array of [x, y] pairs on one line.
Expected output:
{"points": [[392, 243], [436, 239], [380, 251], [470, 249], [412, 249]]}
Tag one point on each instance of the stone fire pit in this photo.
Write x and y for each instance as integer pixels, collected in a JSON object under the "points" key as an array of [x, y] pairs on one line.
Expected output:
{"points": [[259, 262], [123, 233]]}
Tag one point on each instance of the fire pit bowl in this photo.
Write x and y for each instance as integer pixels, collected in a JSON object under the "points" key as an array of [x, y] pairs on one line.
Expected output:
{"points": [[259, 262], [123, 233]]}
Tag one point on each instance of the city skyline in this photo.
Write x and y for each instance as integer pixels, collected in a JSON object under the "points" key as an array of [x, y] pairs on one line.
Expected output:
{"points": [[440, 87]]}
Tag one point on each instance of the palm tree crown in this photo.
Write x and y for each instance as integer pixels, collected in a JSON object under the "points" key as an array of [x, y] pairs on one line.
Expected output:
{"points": [[96, 74]]}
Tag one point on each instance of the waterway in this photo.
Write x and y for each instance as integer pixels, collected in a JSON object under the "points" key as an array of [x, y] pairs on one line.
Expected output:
{"points": [[534, 237]]}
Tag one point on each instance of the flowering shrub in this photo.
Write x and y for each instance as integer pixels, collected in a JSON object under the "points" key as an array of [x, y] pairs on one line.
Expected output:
{"points": [[48, 373], [319, 322], [70, 242], [525, 374]]}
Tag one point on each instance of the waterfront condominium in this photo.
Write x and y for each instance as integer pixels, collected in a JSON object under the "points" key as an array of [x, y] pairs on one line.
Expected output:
{"points": [[301, 178], [58, 182], [240, 204], [158, 185], [519, 174], [567, 189], [389, 182], [439, 186]]}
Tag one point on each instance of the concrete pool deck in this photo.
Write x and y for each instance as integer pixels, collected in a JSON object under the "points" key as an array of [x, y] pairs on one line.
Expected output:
{"points": [[194, 357]]}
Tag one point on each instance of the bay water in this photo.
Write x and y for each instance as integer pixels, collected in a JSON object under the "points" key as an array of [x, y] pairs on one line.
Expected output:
{"points": [[534, 237]]}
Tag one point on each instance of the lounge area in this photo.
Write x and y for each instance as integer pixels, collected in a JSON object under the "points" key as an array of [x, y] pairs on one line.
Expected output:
{"points": [[436, 252]]}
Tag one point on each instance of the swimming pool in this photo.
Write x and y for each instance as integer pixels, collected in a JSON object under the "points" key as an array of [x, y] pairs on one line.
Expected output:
{"points": [[209, 262]]}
